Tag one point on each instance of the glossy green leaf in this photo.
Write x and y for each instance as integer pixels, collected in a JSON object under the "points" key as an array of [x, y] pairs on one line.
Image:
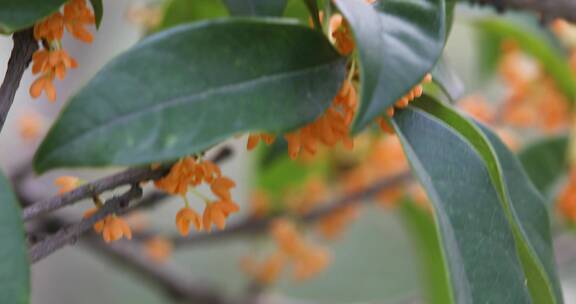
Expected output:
{"points": [[20, 14], [447, 80], [398, 42], [478, 244], [523, 205], [184, 11], [98, 8], [545, 161], [256, 7], [422, 229], [493, 31], [297, 9], [14, 265], [186, 89]]}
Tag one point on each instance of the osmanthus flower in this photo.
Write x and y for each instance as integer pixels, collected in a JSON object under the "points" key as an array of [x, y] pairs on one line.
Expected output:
{"points": [[254, 140], [187, 217], [221, 187], [158, 249], [67, 183], [184, 176], [30, 125], [330, 128], [216, 213], [403, 102], [112, 228], [77, 15], [53, 61]]}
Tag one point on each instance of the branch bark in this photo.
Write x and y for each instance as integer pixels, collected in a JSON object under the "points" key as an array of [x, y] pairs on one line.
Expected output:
{"points": [[126, 177], [24, 46], [70, 234]]}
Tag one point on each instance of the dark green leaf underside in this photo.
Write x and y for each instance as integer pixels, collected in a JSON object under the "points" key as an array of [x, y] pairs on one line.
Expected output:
{"points": [[398, 42], [523, 205], [14, 265], [20, 14], [186, 89], [256, 7], [477, 240]]}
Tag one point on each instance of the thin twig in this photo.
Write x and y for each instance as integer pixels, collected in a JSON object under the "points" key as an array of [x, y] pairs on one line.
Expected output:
{"points": [[126, 177], [70, 234], [24, 47], [251, 226]]}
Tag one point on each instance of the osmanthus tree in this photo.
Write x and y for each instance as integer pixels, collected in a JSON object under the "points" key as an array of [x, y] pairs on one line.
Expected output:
{"points": [[346, 96]]}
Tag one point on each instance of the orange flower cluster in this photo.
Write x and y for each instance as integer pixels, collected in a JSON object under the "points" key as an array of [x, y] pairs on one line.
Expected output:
{"points": [[533, 100], [567, 198], [306, 260], [189, 172], [403, 102], [53, 61], [112, 227], [330, 128]]}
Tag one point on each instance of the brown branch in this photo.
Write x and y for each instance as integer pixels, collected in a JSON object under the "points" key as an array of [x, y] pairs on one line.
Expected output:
{"points": [[547, 9], [251, 226], [24, 46], [126, 177], [70, 234]]}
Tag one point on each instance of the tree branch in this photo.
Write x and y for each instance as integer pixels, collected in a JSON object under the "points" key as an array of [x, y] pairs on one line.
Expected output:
{"points": [[126, 177], [251, 225], [24, 46], [70, 234], [547, 9]]}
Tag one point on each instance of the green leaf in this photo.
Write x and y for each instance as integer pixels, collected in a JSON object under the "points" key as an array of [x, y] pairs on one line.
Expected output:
{"points": [[422, 229], [256, 7], [447, 80], [478, 244], [184, 11], [552, 59], [19, 14], [398, 42], [522, 204], [545, 161], [98, 8], [184, 90], [14, 265]]}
